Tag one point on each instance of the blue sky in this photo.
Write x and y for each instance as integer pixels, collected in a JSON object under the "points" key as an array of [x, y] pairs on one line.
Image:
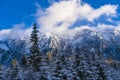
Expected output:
{"points": [[16, 11]]}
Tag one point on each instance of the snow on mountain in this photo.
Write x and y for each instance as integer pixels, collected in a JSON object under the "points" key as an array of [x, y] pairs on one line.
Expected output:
{"points": [[49, 42], [108, 33], [11, 49], [86, 40], [105, 40], [112, 40], [3, 45]]}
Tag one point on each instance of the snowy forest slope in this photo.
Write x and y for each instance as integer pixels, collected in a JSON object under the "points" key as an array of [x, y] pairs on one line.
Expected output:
{"points": [[88, 55]]}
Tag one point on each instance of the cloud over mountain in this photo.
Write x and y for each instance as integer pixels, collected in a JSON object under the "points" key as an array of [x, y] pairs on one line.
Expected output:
{"points": [[17, 32], [61, 15]]}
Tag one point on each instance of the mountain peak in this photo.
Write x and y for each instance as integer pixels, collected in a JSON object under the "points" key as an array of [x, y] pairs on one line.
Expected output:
{"points": [[48, 34]]}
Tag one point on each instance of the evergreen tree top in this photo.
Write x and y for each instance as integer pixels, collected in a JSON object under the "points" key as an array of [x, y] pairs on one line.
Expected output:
{"points": [[34, 26], [34, 35]]}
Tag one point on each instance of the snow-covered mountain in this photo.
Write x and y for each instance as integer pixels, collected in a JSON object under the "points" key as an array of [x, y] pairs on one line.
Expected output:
{"points": [[86, 53], [106, 41], [49, 42], [88, 40], [12, 48], [112, 40]]}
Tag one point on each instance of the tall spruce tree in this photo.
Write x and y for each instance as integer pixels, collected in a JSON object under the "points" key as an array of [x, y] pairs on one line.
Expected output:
{"points": [[35, 54]]}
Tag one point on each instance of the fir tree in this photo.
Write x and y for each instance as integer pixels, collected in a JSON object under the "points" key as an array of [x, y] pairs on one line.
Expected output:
{"points": [[24, 60], [1, 72], [12, 72], [35, 55]]}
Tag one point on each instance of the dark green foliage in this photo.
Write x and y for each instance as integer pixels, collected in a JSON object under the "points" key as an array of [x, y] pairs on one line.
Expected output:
{"points": [[1, 73], [102, 72], [24, 60], [43, 77], [35, 55]]}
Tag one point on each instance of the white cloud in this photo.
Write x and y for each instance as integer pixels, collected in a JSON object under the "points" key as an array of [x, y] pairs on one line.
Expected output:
{"points": [[61, 15], [100, 28], [17, 32], [58, 13], [4, 33], [72, 32], [91, 14]]}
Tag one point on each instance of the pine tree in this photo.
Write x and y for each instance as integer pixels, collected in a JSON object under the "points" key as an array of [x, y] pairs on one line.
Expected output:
{"points": [[35, 55], [24, 60], [12, 72], [104, 70], [1, 72]]}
